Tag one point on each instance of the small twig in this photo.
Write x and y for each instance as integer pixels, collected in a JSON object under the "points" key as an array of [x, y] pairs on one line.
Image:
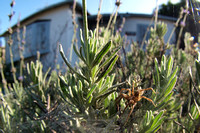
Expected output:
{"points": [[74, 38], [191, 116], [156, 15], [85, 27], [40, 106], [117, 85], [192, 81], [192, 91], [115, 16], [10, 43], [122, 67], [176, 25], [110, 19], [98, 18], [146, 33], [48, 102], [181, 30], [181, 126]]}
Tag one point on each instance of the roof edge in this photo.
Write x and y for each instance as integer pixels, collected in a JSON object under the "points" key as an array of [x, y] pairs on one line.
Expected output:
{"points": [[78, 8], [136, 15]]}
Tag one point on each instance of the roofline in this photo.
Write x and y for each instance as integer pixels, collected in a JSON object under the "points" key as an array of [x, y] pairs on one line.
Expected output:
{"points": [[78, 8], [135, 15], [150, 16]]}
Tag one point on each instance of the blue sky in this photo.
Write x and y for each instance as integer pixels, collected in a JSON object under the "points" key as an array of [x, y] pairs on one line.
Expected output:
{"points": [[25, 8]]}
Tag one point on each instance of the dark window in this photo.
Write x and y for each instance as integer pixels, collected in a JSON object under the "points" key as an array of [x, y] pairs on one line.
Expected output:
{"points": [[141, 30], [130, 33], [42, 39]]}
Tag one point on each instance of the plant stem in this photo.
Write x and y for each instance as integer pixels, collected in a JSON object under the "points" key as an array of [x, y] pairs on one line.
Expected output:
{"points": [[181, 30], [10, 43], [114, 20], [74, 38], [21, 49], [98, 18], [13, 69], [156, 15], [85, 28], [1, 71], [176, 25], [147, 31]]}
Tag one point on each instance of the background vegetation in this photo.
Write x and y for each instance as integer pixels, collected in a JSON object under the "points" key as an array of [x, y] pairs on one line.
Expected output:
{"points": [[91, 98]]}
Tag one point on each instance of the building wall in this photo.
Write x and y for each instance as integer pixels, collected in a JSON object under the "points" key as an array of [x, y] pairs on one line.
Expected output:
{"points": [[61, 32], [135, 27], [57, 29], [45, 31]]}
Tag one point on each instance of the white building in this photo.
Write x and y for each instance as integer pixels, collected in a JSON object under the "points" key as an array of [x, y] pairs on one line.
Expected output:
{"points": [[136, 25], [53, 25], [44, 31]]}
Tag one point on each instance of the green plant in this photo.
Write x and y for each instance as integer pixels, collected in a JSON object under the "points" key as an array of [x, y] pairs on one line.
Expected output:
{"points": [[165, 79], [152, 123], [22, 105], [89, 90], [85, 98]]}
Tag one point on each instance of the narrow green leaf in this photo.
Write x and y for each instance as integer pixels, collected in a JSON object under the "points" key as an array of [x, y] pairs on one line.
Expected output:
{"points": [[108, 68], [163, 63], [91, 56], [91, 91], [3, 113], [157, 77], [81, 54], [146, 118], [165, 99], [151, 116], [106, 103], [194, 112], [81, 38], [113, 96], [156, 121], [46, 74], [94, 49], [72, 98], [106, 83], [166, 93], [94, 70], [108, 60], [68, 64], [90, 99], [75, 92], [105, 86], [173, 75], [162, 105], [101, 54], [103, 90], [64, 95], [78, 54], [70, 91], [100, 83], [62, 81], [103, 96], [169, 66], [175, 106], [170, 87], [28, 68], [156, 127], [80, 91]]}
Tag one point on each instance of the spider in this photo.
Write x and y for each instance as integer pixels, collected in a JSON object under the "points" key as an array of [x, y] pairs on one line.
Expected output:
{"points": [[132, 97]]}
